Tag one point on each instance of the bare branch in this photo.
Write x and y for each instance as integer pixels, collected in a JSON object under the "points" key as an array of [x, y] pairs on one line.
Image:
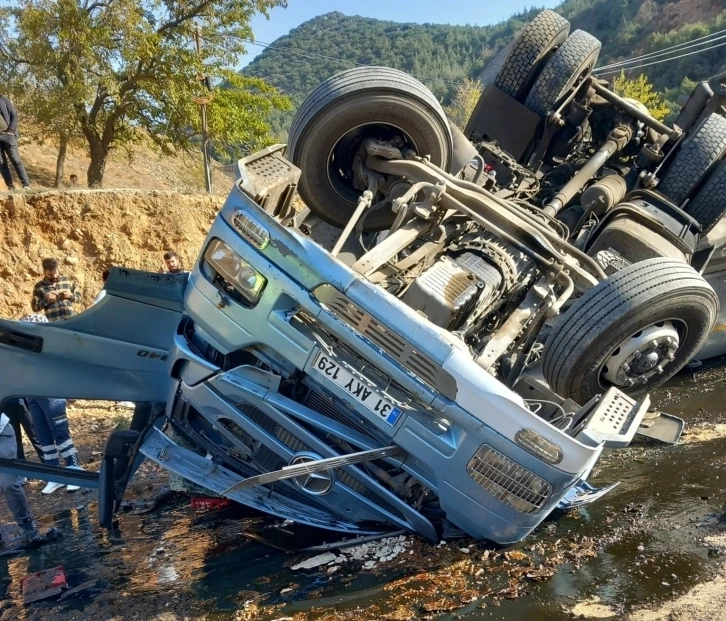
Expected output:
{"points": [[184, 17]]}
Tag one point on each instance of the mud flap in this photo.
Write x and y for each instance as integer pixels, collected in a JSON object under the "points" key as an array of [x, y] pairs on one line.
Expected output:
{"points": [[122, 458]]}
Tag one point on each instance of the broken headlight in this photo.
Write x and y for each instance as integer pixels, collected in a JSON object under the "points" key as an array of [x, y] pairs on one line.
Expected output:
{"points": [[233, 274]]}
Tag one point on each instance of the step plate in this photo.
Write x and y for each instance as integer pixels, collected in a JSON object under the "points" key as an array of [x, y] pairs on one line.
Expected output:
{"points": [[615, 419]]}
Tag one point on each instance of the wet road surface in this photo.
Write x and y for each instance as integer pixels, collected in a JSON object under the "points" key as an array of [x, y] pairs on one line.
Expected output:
{"points": [[639, 545]]}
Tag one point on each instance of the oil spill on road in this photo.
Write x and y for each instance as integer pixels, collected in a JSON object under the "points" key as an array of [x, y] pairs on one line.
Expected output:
{"points": [[641, 544]]}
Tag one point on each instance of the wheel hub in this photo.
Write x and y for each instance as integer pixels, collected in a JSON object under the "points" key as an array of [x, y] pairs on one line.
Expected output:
{"points": [[643, 355]]}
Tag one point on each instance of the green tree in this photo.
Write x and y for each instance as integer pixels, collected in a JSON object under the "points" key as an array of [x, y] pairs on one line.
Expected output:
{"points": [[128, 69], [642, 90], [464, 102]]}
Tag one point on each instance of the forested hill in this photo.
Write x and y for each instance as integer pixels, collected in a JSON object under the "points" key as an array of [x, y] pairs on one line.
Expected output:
{"points": [[441, 56]]}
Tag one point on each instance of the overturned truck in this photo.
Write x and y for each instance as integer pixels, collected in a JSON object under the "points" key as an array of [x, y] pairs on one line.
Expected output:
{"points": [[451, 331]]}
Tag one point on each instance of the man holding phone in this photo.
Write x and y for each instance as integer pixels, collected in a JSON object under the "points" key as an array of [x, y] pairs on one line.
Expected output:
{"points": [[55, 295]]}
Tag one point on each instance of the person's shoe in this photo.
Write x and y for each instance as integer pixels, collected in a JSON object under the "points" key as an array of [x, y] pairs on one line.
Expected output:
{"points": [[23, 480], [38, 539], [73, 488], [26, 187], [51, 487]]}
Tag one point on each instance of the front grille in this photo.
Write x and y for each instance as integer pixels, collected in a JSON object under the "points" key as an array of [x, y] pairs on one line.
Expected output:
{"points": [[397, 347], [347, 480], [269, 461], [261, 419], [326, 406], [507, 481]]}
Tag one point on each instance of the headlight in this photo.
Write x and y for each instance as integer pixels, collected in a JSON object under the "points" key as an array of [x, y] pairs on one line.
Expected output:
{"points": [[234, 271]]}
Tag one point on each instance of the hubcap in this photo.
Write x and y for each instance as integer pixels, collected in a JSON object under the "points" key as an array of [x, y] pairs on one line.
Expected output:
{"points": [[643, 355]]}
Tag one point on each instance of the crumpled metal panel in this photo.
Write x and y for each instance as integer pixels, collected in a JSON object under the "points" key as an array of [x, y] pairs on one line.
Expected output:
{"points": [[204, 472]]}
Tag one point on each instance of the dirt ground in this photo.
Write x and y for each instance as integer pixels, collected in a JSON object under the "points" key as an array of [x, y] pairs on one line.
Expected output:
{"points": [[90, 230], [146, 170]]}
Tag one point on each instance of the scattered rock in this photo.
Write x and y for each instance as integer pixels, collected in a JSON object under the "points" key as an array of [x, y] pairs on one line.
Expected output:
{"points": [[71, 260], [333, 569], [369, 564], [315, 561]]}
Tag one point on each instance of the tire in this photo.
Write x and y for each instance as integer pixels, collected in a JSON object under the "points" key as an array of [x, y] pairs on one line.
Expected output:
{"points": [[637, 297], [364, 99], [575, 58], [709, 205], [536, 41], [697, 153]]}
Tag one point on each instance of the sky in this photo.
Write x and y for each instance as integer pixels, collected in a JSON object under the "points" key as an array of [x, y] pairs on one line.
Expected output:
{"points": [[461, 12]]}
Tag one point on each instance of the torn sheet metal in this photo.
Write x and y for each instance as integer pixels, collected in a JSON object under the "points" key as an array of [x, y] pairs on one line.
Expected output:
{"points": [[583, 494]]}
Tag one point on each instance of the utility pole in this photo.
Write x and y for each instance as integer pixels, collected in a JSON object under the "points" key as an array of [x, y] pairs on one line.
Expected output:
{"points": [[202, 103]]}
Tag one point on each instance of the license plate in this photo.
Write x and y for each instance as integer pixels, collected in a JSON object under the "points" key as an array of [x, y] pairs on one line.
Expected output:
{"points": [[372, 400]]}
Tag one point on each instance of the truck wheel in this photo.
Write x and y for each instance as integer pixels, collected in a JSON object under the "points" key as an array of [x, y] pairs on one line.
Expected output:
{"points": [[697, 153], [536, 41], [331, 124], [709, 205], [574, 59], [634, 330]]}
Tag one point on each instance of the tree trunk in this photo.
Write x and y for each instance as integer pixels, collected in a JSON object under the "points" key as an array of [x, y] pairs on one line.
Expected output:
{"points": [[97, 167], [60, 162]]}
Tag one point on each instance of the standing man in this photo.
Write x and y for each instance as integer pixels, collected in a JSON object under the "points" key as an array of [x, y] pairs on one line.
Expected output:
{"points": [[11, 488], [20, 419], [51, 426], [55, 295], [9, 145]]}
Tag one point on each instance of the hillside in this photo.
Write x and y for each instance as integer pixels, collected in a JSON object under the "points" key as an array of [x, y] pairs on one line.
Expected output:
{"points": [[442, 55]]}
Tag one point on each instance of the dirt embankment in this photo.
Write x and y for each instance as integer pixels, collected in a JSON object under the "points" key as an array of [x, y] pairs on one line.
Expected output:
{"points": [[89, 230]]}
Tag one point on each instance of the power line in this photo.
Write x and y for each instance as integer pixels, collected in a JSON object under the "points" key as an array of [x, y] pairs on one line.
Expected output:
{"points": [[681, 46], [341, 60], [663, 60]]}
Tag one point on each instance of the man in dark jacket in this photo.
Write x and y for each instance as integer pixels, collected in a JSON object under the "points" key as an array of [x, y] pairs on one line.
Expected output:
{"points": [[9, 153]]}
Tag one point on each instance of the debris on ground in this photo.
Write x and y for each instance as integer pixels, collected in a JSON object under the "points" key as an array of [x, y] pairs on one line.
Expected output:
{"points": [[209, 504], [42, 585], [371, 554], [315, 561], [594, 608]]}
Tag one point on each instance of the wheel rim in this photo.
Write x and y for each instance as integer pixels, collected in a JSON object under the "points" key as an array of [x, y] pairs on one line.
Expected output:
{"points": [[341, 176], [644, 355]]}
